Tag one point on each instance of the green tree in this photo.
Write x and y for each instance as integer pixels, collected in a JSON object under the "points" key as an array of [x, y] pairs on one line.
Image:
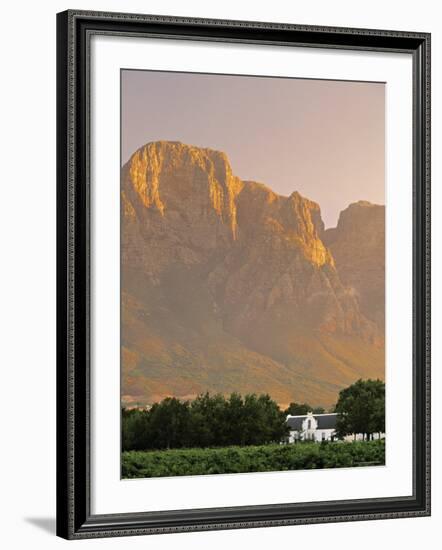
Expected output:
{"points": [[168, 425], [298, 409], [361, 408], [134, 429], [273, 424], [378, 418], [235, 420], [208, 421], [262, 421]]}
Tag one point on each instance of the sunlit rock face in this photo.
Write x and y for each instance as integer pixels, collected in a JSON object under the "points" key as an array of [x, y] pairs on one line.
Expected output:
{"points": [[227, 286], [184, 200]]}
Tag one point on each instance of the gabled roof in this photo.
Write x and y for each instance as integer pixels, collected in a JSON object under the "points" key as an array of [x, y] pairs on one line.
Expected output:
{"points": [[325, 421], [295, 422]]}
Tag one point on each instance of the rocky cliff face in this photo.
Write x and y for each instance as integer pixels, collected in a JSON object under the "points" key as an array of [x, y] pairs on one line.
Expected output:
{"points": [[358, 247], [227, 286], [180, 205]]}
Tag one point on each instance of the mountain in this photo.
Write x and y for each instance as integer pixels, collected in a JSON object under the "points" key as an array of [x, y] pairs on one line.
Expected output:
{"points": [[227, 286]]}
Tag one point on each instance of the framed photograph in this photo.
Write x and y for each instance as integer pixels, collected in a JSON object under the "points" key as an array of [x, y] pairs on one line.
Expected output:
{"points": [[243, 274]]}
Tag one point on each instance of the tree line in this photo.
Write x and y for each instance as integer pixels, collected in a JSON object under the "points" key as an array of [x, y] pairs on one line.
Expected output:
{"points": [[219, 421], [207, 421]]}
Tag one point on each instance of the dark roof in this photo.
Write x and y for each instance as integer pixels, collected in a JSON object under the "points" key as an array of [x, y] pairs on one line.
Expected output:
{"points": [[325, 421], [295, 422]]}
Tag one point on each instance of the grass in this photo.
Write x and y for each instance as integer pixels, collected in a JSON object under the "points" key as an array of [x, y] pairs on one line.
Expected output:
{"points": [[264, 458]]}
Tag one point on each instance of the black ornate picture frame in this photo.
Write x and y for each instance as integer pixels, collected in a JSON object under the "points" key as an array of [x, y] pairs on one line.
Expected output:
{"points": [[74, 517]]}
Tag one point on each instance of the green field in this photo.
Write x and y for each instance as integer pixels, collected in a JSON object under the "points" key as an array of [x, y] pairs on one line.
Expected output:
{"points": [[263, 458]]}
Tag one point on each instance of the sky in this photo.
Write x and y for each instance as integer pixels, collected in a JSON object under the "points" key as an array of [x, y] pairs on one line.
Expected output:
{"points": [[323, 138]]}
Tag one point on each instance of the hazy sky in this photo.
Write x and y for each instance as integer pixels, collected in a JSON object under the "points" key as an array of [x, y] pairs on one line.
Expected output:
{"points": [[322, 138]]}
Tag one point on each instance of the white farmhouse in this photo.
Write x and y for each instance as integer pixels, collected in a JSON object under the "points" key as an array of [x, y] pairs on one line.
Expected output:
{"points": [[319, 427], [313, 427]]}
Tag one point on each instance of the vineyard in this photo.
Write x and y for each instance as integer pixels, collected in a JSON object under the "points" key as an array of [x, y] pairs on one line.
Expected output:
{"points": [[259, 458]]}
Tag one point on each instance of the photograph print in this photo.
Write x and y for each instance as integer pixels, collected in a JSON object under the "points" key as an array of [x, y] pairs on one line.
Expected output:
{"points": [[252, 274]]}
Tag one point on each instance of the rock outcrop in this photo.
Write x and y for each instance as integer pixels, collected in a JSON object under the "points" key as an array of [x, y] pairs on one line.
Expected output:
{"points": [[358, 247], [227, 286]]}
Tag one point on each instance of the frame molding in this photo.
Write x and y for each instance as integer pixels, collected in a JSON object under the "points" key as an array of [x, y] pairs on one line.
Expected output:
{"points": [[74, 519]]}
